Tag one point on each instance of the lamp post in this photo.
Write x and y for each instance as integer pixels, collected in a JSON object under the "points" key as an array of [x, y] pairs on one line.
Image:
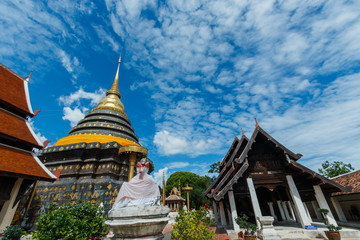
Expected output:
{"points": [[187, 189]]}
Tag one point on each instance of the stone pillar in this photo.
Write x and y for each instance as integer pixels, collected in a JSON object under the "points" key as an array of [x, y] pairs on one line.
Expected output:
{"points": [[281, 210], [287, 215], [323, 204], [291, 210], [298, 202], [8, 211], [338, 209], [222, 214], [297, 218], [307, 211], [271, 207], [316, 207], [233, 210], [215, 211], [254, 200]]}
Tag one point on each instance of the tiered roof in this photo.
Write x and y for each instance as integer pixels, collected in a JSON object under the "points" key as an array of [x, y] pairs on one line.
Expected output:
{"points": [[241, 155], [17, 139]]}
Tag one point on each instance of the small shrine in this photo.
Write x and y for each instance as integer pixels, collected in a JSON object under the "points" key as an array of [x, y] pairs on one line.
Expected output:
{"points": [[175, 202]]}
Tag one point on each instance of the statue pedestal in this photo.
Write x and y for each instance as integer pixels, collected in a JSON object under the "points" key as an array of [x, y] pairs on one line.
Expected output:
{"points": [[138, 222]]}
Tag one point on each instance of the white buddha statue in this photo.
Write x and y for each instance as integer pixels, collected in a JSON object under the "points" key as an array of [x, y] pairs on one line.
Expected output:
{"points": [[141, 190]]}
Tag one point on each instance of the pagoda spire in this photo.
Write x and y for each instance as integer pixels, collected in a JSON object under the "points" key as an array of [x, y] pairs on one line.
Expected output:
{"points": [[112, 100], [115, 87]]}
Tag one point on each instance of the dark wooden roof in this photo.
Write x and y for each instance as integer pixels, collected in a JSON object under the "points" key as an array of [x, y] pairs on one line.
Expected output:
{"points": [[229, 175], [235, 149], [17, 129], [14, 92], [19, 163]]}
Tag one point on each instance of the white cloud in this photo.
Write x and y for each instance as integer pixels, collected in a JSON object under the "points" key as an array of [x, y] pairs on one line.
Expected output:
{"points": [[80, 94], [158, 176], [174, 165], [76, 104], [73, 115]]}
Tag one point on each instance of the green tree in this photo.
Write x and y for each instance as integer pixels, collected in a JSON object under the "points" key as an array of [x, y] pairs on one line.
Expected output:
{"points": [[199, 184], [335, 168], [214, 168], [79, 221], [192, 225]]}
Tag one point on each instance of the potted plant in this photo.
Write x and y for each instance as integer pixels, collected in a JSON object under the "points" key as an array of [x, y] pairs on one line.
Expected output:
{"points": [[324, 212], [333, 233], [250, 228]]}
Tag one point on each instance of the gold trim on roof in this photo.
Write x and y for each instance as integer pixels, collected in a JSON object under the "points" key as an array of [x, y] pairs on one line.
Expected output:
{"points": [[134, 148]]}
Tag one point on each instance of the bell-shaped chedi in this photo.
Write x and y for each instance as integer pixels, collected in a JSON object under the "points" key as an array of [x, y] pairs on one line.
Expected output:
{"points": [[95, 158]]}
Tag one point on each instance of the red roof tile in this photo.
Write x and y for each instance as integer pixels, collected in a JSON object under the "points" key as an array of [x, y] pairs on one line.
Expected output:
{"points": [[13, 90], [350, 179], [26, 164], [17, 128]]}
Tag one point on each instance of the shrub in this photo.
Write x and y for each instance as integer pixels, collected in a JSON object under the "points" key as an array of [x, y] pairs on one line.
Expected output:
{"points": [[192, 225], [243, 223], [79, 221], [12, 233]]}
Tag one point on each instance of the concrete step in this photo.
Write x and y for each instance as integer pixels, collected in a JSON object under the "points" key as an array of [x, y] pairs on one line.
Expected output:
{"points": [[294, 237]]}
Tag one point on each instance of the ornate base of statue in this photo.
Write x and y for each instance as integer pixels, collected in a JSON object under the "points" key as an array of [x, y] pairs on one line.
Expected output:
{"points": [[138, 222], [137, 213]]}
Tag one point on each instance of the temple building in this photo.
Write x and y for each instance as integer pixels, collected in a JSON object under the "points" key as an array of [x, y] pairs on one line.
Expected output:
{"points": [[19, 166], [94, 159], [174, 201], [261, 177]]}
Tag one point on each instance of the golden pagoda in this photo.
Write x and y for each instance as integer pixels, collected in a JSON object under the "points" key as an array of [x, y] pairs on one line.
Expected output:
{"points": [[95, 158]]}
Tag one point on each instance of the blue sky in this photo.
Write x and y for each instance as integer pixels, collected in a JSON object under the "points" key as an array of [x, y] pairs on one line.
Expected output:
{"points": [[193, 72]]}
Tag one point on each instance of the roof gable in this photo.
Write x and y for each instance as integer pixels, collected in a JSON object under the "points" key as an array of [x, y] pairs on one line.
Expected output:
{"points": [[14, 92]]}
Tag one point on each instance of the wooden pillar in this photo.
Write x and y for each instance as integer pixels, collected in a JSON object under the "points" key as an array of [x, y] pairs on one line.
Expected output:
{"points": [[254, 201], [323, 204], [298, 202]]}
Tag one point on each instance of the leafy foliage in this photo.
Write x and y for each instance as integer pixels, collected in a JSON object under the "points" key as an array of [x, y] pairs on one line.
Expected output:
{"points": [[12, 233], [192, 225], [79, 221], [199, 184], [214, 168], [333, 228], [243, 223], [335, 168]]}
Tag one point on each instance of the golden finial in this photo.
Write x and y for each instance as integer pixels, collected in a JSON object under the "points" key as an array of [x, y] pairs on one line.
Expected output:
{"points": [[242, 132], [257, 124], [112, 100], [115, 87], [235, 134]]}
